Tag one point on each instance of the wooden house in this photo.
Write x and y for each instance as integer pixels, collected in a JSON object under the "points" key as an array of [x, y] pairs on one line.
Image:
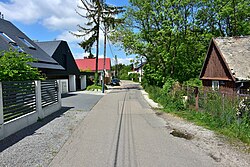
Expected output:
{"points": [[227, 65]]}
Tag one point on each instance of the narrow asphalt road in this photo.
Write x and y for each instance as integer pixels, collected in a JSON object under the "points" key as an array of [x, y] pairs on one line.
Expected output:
{"points": [[122, 130]]}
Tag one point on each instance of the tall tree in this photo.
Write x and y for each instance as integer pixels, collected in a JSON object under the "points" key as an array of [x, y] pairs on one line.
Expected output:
{"points": [[97, 13], [174, 35], [109, 22]]}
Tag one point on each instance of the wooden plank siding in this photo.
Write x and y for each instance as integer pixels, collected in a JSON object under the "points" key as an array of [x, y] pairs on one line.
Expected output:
{"points": [[225, 86], [223, 66], [216, 68]]}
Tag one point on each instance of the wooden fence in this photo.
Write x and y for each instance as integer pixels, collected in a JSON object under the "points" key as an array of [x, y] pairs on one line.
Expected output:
{"points": [[198, 97]]}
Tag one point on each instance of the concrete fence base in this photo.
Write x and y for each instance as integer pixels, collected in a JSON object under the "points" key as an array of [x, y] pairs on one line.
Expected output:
{"points": [[14, 125]]}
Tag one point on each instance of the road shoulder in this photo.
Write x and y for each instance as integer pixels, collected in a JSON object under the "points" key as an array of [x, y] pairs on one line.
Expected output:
{"points": [[216, 146]]}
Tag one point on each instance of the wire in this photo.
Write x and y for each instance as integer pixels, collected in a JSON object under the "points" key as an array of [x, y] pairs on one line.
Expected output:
{"points": [[110, 47]]}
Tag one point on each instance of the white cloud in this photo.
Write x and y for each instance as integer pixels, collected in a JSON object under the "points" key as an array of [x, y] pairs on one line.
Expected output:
{"points": [[73, 40], [125, 60], [81, 55], [70, 38], [53, 14], [59, 23]]}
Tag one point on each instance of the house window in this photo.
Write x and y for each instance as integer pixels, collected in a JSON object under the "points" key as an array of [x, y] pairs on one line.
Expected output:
{"points": [[11, 42], [6, 37], [215, 85], [18, 48], [27, 43]]}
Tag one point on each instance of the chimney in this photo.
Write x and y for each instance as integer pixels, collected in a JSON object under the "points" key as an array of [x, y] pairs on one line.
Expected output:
{"points": [[1, 15]]}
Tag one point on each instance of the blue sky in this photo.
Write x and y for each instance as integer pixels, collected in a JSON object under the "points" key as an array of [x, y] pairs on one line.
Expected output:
{"points": [[46, 20]]}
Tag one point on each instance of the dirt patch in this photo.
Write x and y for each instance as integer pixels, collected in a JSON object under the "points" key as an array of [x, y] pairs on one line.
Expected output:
{"points": [[218, 147], [159, 113], [216, 158], [180, 134]]}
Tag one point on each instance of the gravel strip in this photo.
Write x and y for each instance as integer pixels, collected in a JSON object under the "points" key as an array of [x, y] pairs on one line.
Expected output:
{"points": [[36, 145], [214, 145]]}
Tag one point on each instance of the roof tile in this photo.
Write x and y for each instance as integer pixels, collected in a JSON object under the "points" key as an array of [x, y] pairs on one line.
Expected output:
{"points": [[236, 52]]}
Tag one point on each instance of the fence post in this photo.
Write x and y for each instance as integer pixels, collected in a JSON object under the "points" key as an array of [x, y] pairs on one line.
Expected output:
{"points": [[59, 92], [223, 102], [39, 99], [1, 111], [196, 92]]}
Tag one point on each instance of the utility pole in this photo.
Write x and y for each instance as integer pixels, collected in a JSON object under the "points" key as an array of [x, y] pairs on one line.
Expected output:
{"points": [[141, 71], [104, 61], [116, 66]]}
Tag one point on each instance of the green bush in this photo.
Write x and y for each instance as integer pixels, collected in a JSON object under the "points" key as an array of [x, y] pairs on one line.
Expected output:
{"points": [[134, 77], [193, 82], [167, 96], [124, 77], [15, 66]]}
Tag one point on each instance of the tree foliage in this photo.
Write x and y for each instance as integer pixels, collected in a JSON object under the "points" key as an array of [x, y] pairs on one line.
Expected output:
{"points": [[173, 35], [97, 13], [122, 71], [15, 66]]}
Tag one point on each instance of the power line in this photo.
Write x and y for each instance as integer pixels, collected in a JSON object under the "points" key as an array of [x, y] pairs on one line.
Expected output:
{"points": [[110, 47]]}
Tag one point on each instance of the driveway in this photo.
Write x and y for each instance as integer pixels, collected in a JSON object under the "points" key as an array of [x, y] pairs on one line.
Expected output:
{"points": [[82, 100], [37, 144]]}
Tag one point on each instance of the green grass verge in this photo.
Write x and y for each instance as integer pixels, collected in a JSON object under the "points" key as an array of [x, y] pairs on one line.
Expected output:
{"points": [[212, 116], [95, 88]]}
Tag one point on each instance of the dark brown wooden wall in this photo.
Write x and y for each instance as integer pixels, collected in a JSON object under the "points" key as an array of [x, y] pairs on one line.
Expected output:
{"points": [[215, 67], [227, 87]]}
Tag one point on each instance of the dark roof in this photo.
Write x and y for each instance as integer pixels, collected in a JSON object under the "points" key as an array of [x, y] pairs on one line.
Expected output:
{"points": [[49, 46], [140, 65], [60, 51], [44, 60]]}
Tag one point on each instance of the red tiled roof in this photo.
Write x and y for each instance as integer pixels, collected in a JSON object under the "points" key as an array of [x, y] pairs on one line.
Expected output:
{"points": [[88, 64]]}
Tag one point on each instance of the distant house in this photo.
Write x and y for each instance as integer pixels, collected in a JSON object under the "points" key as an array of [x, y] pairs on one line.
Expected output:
{"points": [[89, 65], [60, 51], [12, 37], [138, 70], [227, 65]]}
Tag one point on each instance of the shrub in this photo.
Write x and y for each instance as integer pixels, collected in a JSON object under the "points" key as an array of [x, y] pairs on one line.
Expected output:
{"points": [[193, 82], [16, 66], [134, 77]]}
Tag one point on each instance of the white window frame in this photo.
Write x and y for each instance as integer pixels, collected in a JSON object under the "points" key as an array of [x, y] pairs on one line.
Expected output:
{"points": [[215, 85], [27, 43], [7, 38]]}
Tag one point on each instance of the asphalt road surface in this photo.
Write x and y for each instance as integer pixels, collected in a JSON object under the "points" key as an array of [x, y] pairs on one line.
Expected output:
{"points": [[123, 131]]}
